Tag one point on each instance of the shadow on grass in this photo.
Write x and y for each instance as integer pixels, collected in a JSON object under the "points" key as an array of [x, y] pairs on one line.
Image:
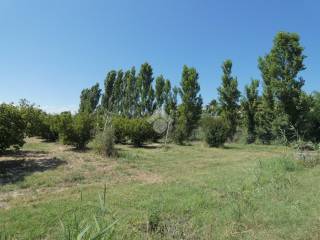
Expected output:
{"points": [[230, 147], [25, 163]]}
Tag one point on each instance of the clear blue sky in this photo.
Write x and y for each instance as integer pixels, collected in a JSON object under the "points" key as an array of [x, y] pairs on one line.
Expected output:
{"points": [[50, 50]]}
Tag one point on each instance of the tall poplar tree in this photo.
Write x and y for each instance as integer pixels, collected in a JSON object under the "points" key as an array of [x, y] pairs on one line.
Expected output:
{"points": [[189, 112], [117, 92], [229, 98], [89, 99], [107, 101], [160, 93], [250, 104], [130, 94], [280, 69], [146, 92]]}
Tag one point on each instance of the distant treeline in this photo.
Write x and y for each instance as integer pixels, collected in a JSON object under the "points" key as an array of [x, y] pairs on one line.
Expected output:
{"points": [[283, 112]]}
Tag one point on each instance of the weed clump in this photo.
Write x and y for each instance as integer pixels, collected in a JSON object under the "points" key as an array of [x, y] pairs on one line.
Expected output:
{"points": [[103, 142]]}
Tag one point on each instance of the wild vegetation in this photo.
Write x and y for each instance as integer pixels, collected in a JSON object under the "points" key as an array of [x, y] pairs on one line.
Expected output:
{"points": [[241, 167]]}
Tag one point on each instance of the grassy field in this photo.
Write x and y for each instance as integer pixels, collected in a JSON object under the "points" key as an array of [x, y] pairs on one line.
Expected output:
{"points": [[179, 192]]}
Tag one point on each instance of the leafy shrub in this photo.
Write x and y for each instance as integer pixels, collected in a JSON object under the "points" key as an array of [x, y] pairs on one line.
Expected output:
{"points": [[215, 131], [76, 130], [12, 127], [139, 131], [104, 142]]}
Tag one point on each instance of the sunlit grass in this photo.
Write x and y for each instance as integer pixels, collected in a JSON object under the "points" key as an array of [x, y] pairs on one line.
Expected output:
{"points": [[182, 192]]}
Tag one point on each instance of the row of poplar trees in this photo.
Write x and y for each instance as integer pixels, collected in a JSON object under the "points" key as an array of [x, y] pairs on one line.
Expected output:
{"points": [[281, 110], [131, 95]]}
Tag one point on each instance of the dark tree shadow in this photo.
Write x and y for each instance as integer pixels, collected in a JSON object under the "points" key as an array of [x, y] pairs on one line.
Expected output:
{"points": [[24, 154], [15, 170]]}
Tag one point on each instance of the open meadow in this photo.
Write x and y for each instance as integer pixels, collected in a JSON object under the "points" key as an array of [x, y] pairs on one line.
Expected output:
{"points": [[159, 120], [155, 192]]}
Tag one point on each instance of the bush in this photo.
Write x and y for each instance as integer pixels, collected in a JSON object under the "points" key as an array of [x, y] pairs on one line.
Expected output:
{"points": [[139, 131], [104, 142], [12, 127], [215, 131], [76, 130]]}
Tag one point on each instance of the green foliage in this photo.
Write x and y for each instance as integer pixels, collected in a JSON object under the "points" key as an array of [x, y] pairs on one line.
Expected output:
{"points": [[32, 116], [137, 130], [65, 126], [140, 131], [189, 112], [265, 117], [283, 92], [229, 98], [121, 128], [49, 127], [313, 118], [130, 94], [89, 99], [180, 131], [117, 96], [107, 99], [215, 130], [171, 100], [250, 104], [76, 130], [154, 219], [12, 127], [104, 141], [146, 92], [89, 221], [212, 108], [160, 93]]}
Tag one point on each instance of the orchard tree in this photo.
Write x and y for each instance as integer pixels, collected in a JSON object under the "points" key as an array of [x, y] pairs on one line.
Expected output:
{"points": [[76, 130], [250, 104], [12, 127], [229, 98], [189, 112], [89, 99], [32, 115]]}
